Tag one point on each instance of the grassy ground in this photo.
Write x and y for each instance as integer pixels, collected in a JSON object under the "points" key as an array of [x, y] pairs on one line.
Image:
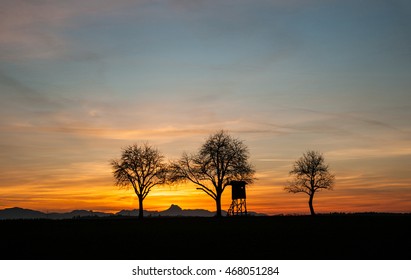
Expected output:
{"points": [[336, 237]]}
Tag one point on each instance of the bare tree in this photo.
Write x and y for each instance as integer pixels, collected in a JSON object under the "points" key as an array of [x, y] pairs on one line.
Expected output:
{"points": [[220, 160], [140, 167], [311, 175]]}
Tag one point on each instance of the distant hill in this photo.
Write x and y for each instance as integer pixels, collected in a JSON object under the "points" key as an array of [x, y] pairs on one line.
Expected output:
{"points": [[21, 213], [172, 211], [77, 214], [177, 211]]}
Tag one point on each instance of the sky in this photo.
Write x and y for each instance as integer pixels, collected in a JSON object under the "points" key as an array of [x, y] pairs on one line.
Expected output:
{"points": [[82, 79]]}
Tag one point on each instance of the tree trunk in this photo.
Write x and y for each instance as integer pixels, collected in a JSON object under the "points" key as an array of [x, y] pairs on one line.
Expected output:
{"points": [[218, 205], [310, 203], [140, 207]]}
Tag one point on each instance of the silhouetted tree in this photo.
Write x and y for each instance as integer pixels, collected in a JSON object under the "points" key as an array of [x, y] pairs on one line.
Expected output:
{"points": [[311, 175], [220, 160], [142, 168]]}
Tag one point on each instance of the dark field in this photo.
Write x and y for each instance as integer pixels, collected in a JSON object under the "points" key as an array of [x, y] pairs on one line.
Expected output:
{"points": [[336, 237]]}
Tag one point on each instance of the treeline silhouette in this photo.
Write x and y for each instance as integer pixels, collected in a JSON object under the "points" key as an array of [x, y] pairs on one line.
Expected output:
{"points": [[220, 161]]}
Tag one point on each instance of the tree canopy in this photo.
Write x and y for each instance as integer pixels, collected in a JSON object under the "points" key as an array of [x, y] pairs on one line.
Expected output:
{"points": [[311, 175], [220, 160], [141, 167]]}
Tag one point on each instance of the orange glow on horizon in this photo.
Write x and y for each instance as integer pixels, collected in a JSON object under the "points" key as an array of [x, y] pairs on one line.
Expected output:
{"points": [[90, 186], [267, 199]]}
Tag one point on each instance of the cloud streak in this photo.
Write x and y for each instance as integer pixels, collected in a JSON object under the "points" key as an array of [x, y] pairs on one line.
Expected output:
{"points": [[33, 30]]}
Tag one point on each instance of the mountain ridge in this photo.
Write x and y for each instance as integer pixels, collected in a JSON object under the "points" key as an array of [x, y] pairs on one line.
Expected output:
{"points": [[173, 211]]}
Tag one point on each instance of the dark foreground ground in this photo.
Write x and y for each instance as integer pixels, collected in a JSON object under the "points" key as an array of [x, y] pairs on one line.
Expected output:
{"points": [[336, 237]]}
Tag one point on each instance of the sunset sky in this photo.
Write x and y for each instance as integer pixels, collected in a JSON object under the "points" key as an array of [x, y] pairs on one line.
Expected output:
{"points": [[81, 79]]}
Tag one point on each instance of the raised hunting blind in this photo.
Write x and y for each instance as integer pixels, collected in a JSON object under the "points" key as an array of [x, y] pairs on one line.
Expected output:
{"points": [[238, 205]]}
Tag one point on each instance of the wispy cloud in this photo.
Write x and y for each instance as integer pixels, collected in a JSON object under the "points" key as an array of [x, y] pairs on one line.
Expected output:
{"points": [[20, 93], [36, 29]]}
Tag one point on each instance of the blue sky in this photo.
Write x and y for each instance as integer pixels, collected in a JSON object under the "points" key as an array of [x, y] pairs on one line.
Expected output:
{"points": [[81, 79]]}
